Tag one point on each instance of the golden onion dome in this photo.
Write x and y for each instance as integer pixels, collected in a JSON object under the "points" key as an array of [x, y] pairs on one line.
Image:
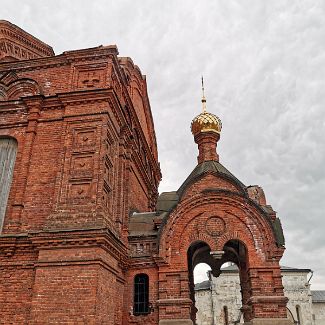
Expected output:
{"points": [[206, 122]]}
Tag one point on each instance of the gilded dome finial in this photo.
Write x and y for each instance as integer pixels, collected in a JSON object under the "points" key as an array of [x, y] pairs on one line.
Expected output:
{"points": [[206, 128], [203, 100], [205, 122]]}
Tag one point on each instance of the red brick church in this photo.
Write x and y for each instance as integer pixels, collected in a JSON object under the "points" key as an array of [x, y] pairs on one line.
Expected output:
{"points": [[85, 237]]}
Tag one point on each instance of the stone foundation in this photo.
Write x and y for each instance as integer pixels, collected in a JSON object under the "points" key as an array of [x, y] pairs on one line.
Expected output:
{"points": [[175, 322], [270, 321]]}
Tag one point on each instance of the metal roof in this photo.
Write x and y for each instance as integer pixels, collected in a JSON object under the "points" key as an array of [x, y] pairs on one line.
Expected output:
{"points": [[205, 285], [318, 295], [234, 269], [142, 224], [209, 166]]}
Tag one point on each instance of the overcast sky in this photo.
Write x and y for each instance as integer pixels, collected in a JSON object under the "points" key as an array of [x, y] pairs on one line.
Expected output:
{"points": [[264, 69]]}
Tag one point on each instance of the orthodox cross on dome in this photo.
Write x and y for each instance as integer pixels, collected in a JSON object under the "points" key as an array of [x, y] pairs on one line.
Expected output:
{"points": [[203, 100], [205, 121]]}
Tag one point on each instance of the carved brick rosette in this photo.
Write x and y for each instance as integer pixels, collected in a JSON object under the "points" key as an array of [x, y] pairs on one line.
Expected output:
{"points": [[215, 226]]}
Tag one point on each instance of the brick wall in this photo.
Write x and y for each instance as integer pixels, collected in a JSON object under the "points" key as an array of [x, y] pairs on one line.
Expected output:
{"points": [[86, 156]]}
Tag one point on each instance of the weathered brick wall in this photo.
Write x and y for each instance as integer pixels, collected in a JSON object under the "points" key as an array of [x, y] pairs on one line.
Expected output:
{"points": [[138, 192], [16, 280], [86, 155], [16, 44], [53, 125], [152, 272], [65, 294]]}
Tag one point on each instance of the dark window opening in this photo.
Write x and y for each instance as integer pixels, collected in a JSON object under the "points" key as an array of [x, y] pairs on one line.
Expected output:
{"points": [[225, 313], [141, 295], [298, 314]]}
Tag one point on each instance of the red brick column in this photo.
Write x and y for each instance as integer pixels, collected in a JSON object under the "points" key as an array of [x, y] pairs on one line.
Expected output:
{"points": [[174, 303], [34, 107], [267, 300], [207, 144]]}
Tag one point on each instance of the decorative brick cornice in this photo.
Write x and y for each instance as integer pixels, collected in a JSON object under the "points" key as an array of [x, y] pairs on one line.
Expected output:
{"points": [[101, 53], [174, 301], [17, 43], [268, 300], [66, 239], [77, 237]]}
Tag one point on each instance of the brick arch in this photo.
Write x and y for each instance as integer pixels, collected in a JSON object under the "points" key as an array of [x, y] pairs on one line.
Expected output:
{"points": [[23, 88], [236, 235], [218, 243], [245, 224], [19, 88], [10, 137], [196, 237]]}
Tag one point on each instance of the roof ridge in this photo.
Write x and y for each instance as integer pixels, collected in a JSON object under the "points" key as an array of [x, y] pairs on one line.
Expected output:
{"points": [[211, 165]]}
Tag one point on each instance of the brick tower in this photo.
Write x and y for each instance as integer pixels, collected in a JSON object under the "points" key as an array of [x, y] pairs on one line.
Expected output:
{"points": [[85, 239], [78, 154]]}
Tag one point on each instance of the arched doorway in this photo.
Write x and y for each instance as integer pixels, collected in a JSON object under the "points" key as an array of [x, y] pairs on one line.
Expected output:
{"points": [[235, 252]]}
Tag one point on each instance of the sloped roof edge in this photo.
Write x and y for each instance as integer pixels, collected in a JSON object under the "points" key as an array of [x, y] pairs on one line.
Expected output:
{"points": [[209, 166]]}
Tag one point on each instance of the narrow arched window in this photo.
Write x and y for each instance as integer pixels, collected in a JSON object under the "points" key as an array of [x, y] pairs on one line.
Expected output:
{"points": [[225, 315], [8, 150], [298, 312], [141, 295]]}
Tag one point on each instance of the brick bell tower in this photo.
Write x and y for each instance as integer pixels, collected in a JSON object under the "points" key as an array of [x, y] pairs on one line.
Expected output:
{"points": [[214, 218]]}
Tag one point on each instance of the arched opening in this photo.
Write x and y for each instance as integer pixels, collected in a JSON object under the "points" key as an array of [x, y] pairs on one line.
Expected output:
{"points": [[8, 151], [298, 313], [141, 295], [203, 298], [219, 299], [198, 252], [225, 315], [201, 272]]}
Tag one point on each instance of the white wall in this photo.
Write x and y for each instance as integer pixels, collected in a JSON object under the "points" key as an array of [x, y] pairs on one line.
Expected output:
{"points": [[318, 310], [226, 292], [297, 289]]}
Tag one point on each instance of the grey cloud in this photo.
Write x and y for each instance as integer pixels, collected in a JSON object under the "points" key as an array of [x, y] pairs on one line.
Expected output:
{"points": [[264, 68]]}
